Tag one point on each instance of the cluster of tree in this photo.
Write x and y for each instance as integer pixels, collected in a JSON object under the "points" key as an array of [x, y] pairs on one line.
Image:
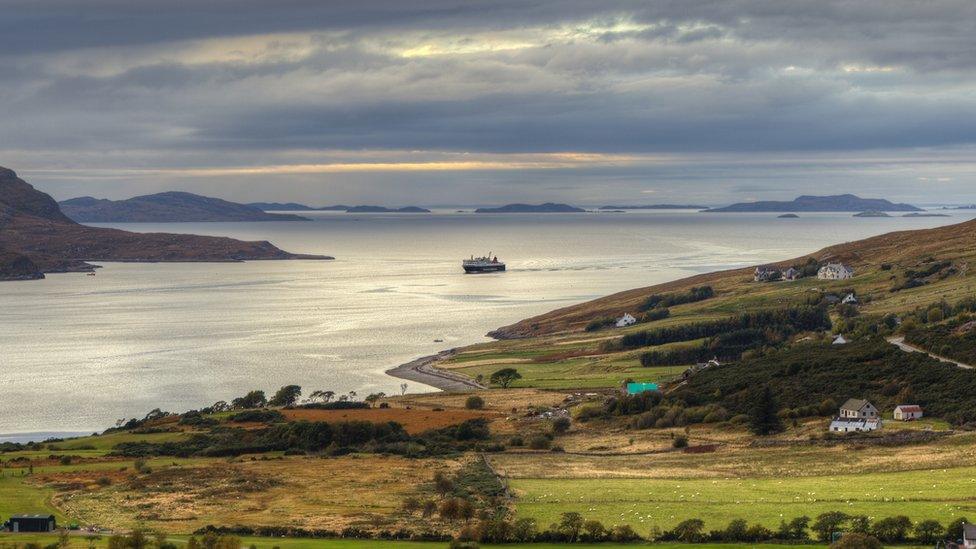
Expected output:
{"points": [[808, 268], [743, 328], [571, 528], [505, 377], [662, 301], [944, 329], [351, 532], [825, 528], [258, 416], [805, 376], [651, 410], [331, 438], [930, 269]]}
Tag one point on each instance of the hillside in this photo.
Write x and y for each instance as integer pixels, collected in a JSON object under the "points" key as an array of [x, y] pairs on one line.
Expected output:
{"points": [[905, 250], [836, 203], [168, 207], [32, 227], [295, 207], [548, 207]]}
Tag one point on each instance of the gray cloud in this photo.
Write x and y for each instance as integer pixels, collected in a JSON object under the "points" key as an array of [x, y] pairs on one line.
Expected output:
{"points": [[96, 86]]}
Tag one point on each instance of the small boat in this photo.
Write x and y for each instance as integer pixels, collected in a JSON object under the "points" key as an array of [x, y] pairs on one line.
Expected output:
{"points": [[91, 273], [486, 264]]}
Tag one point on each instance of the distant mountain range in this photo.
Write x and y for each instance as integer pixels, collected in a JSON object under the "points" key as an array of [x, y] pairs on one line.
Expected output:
{"points": [[836, 203], [548, 207], [293, 207], [37, 238], [168, 207], [656, 207]]}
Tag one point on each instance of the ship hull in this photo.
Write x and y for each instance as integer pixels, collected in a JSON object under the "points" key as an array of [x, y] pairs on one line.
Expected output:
{"points": [[475, 269]]}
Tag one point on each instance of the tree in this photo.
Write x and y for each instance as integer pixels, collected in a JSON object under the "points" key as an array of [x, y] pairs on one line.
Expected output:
{"points": [[594, 530], [955, 529], [736, 530], [373, 397], [571, 524], [286, 396], [560, 425], [797, 528], [892, 529], [929, 531], [450, 509], [689, 531], [403, 389], [443, 484], [763, 418], [524, 530], [860, 524], [474, 402], [829, 523], [505, 377], [254, 399], [856, 541]]}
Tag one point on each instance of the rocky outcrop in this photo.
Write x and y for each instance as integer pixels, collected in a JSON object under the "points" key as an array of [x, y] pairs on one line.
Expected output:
{"points": [[32, 227]]}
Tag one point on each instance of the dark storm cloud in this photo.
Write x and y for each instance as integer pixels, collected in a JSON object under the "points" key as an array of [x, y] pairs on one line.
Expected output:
{"points": [[101, 85]]}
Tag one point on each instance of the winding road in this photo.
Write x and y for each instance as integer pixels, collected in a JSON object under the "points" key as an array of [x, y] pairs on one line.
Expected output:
{"points": [[909, 348]]}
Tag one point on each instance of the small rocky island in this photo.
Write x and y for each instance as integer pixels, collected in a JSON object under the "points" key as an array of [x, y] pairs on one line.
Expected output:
{"points": [[788, 216], [872, 213], [548, 207]]}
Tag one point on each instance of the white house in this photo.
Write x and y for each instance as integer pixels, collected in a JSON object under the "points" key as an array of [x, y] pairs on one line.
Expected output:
{"points": [[839, 340], [908, 412], [835, 271], [767, 273], [792, 274], [856, 408], [626, 320], [851, 299]]}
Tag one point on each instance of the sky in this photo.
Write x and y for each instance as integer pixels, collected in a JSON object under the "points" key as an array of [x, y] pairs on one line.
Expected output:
{"points": [[460, 102]]}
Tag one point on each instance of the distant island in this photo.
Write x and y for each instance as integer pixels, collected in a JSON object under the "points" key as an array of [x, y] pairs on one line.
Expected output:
{"points": [[294, 207], [836, 203], [916, 214], [656, 207], [548, 207], [788, 216], [872, 214], [36, 237], [381, 209], [167, 207]]}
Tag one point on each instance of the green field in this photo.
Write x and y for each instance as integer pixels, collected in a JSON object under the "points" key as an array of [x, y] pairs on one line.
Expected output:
{"points": [[942, 494], [297, 543]]}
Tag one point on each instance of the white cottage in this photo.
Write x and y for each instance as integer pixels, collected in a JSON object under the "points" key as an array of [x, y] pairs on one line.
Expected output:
{"points": [[857, 408], [850, 299], [626, 320], [839, 340], [835, 271], [908, 412]]}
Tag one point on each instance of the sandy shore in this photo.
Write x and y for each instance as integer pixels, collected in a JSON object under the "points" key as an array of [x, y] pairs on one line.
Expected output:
{"points": [[423, 370]]}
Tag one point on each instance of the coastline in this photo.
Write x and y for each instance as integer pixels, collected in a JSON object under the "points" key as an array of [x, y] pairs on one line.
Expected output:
{"points": [[423, 370]]}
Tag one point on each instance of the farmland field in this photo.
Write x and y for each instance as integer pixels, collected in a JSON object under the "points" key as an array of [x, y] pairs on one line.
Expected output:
{"points": [[646, 503]]}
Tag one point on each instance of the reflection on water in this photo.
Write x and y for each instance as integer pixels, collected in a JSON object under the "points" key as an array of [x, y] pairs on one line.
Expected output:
{"points": [[78, 353]]}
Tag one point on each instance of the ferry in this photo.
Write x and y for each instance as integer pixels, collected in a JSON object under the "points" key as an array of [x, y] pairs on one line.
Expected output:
{"points": [[486, 264]]}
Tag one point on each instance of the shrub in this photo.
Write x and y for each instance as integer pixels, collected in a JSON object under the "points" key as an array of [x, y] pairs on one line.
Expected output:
{"points": [[680, 441], [560, 425], [856, 541], [540, 442], [474, 402]]}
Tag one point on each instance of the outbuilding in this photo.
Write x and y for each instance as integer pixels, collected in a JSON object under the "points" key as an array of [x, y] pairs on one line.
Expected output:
{"points": [[633, 388], [31, 523], [908, 412], [969, 536]]}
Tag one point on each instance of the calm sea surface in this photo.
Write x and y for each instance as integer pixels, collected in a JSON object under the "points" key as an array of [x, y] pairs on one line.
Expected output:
{"points": [[79, 352]]}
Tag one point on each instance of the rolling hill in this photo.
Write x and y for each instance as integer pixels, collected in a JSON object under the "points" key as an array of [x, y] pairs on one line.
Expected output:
{"points": [[36, 237], [168, 207]]}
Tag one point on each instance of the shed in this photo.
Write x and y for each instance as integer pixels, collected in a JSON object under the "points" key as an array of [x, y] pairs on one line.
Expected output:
{"points": [[31, 523], [634, 388], [969, 536], [908, 412], [840, 340]]}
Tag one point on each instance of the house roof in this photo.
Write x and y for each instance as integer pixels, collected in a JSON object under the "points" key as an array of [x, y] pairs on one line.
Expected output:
{"points": [[909, 408], [854, 404], [969, 531], [47, 517]]}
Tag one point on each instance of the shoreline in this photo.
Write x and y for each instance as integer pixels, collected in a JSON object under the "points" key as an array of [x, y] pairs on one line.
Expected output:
{"points": [[422, 370]]}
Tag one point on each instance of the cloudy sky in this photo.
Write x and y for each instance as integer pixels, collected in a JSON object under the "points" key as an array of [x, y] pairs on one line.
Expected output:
{"points": [[464, 102]]}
